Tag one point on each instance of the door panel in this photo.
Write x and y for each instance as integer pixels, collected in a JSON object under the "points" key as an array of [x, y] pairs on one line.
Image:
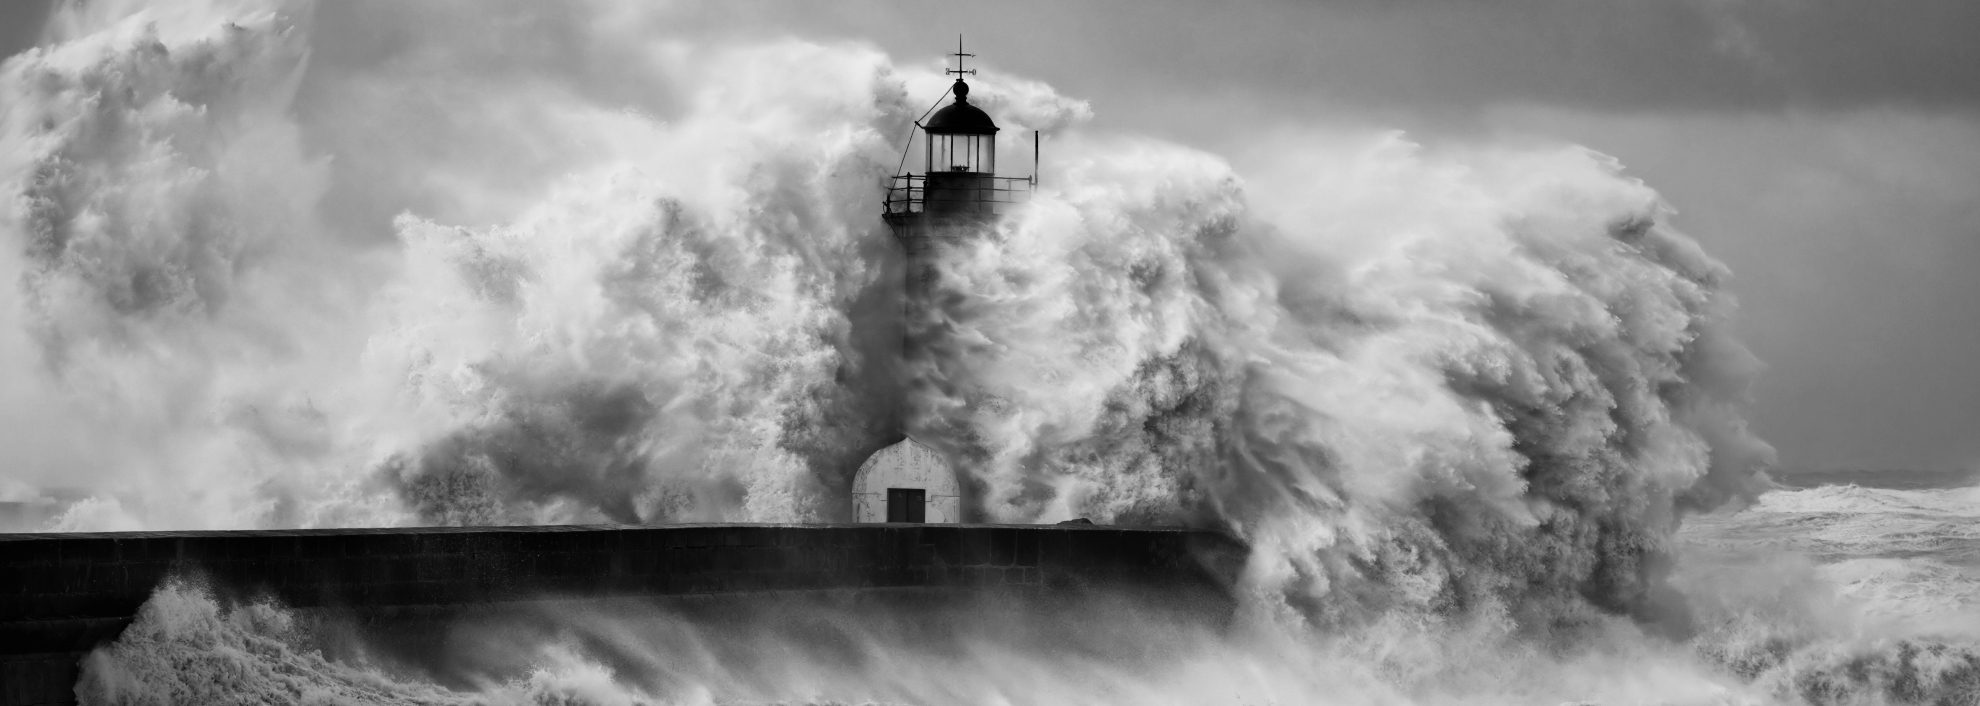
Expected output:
{"points": [[907, 505]]}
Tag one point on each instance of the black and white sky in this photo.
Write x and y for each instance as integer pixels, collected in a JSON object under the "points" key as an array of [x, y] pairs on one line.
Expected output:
{"points": [[1828, 151]]}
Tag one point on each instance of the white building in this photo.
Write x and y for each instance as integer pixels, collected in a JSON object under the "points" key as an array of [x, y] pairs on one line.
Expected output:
{"points": [[906, 482]]}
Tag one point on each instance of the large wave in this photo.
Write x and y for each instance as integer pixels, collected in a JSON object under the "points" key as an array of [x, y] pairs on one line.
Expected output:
{"points": [[277, 264]]}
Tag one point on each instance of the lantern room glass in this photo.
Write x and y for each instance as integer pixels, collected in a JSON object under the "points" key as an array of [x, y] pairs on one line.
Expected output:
{"points": [[962, 153]]}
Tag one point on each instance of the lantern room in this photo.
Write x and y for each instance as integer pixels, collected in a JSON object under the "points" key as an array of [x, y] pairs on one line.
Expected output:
{"points": [[961, 137]]}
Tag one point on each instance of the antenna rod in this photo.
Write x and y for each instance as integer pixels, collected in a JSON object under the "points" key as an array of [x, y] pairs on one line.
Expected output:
{"points": [[958, 70], [1034, 159]]}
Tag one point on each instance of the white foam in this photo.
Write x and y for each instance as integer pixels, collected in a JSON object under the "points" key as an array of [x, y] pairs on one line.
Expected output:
{"points": [[1854, 499]]}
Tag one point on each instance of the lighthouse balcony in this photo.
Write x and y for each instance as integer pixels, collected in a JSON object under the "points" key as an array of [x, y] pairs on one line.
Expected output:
{"points": [[962, 195]]}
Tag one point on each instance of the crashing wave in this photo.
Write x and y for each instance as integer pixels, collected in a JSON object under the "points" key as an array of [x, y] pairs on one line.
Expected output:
{"points": [[262, 284]]}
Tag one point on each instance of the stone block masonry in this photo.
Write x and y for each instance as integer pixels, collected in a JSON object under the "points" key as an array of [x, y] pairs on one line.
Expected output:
{"points": [[63, 594]]}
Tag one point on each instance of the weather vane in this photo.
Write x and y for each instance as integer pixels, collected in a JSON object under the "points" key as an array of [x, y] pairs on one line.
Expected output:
{"points": [[958, 70]]}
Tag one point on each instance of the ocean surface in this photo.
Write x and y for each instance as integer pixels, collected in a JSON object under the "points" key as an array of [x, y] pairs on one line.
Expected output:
{"points": [[1893, 543], [1843, 587], [1833, 589]]}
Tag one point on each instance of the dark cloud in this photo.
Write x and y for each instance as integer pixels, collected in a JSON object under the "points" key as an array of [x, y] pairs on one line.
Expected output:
{"points": [[20, 24], [1683, 55], [1297, 57]]}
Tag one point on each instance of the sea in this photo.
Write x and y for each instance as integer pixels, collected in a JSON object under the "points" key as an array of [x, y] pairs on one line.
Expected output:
{"points": [[1833, 588], [1902, 544], [1843, 587]]}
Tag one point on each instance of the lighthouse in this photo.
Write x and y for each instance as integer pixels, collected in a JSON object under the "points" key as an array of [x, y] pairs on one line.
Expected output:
{"points": [[956, 196]]}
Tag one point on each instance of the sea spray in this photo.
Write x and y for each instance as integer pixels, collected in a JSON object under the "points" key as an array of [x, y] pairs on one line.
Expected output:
{"points": [[545, 370], [1493, 397], [189, 646], [1457, 401], [152, 219]]}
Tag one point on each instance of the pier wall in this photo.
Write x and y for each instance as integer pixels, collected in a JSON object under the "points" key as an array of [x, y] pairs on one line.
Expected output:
{"points": [[63, 594]]}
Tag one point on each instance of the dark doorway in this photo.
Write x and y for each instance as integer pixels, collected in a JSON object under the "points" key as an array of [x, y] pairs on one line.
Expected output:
{"points": [[907, 505]]}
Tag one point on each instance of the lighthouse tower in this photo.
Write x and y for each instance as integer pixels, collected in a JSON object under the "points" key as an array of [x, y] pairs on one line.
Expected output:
{"points": [[956, 196]]}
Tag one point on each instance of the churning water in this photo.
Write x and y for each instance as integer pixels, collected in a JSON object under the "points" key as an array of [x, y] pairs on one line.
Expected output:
{"points": [[1835, 594]]}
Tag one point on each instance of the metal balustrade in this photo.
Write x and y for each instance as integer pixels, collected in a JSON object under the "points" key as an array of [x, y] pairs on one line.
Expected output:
{"points": [[908, 194]]}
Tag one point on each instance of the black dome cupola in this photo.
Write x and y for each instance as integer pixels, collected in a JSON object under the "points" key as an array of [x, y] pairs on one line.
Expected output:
{"points": [[960, 118]]}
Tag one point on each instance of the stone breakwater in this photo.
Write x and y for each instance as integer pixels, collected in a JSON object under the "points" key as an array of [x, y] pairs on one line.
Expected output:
{"points": [[63, 594]]}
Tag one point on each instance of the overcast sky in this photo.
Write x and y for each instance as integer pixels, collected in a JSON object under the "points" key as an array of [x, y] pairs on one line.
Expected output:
{"points": [[1829, 152]]}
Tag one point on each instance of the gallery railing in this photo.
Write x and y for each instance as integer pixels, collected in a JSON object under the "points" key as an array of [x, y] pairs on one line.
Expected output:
{"points": [[909, 194]]}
